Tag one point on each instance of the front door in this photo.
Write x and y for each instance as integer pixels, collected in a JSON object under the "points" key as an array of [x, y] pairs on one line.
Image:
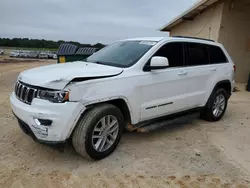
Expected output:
{"points": [[163, 92]]}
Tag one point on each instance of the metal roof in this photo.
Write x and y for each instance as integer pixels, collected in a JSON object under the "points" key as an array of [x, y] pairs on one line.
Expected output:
{"points": [[86, 51], [66, 49], [189, 14]]}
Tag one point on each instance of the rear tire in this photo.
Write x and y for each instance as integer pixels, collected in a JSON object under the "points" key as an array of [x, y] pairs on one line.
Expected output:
{"points": [[92, 138], [216, 106]]}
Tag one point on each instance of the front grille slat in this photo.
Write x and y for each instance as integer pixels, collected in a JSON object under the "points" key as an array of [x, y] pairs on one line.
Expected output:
{"points": [[34, 93], [21, 92], [25, 93], [19, 89], [16, 88]]}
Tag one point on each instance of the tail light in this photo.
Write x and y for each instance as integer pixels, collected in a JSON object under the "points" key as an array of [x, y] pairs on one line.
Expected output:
{"points": [[234, 72], [234, 68]]}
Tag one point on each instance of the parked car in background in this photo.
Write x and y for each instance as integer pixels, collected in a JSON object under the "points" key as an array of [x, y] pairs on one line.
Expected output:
{"points": [[83, 101], [50, 55], [34, 54], [54, 56], [14, 53], [43, 55], [24, 54], [1, 52]]}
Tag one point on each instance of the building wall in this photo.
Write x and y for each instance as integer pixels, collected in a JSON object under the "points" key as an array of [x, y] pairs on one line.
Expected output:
{"points": [[206, 25], [235, 35]]}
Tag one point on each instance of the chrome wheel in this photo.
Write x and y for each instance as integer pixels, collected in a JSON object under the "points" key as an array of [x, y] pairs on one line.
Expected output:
{"points": [[105, 133], [219, 105]]}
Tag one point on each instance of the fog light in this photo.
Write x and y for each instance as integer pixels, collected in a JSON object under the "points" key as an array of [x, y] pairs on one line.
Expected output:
{"points": [[44, 122]]}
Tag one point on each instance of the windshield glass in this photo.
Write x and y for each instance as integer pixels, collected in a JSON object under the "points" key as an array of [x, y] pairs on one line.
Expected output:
{"points": [[121, 54]]}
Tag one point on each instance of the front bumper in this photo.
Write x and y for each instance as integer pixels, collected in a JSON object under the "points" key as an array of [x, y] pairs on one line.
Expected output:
{"points": [[26, 129], [64, 117]]}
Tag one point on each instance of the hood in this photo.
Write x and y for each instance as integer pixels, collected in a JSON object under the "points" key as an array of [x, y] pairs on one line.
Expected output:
{"points": [[57, 76]]}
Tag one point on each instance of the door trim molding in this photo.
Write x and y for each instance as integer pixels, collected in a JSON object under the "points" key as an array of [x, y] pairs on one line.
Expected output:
{"points": [[160, 105]]}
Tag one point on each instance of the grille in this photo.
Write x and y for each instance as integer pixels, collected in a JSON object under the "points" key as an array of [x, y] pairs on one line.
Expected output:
{"points": [[25, 93]]}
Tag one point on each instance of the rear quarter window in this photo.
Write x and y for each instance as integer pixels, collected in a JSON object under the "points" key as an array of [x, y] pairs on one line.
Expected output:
{"points": [[216, 55]]}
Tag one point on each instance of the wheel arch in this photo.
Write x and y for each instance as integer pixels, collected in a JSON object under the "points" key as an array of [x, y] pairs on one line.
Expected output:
{"points": [[224, 84], [121, 103]]}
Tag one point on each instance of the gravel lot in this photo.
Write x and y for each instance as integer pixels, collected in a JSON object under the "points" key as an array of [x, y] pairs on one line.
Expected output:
{"points": [[193, 153]]}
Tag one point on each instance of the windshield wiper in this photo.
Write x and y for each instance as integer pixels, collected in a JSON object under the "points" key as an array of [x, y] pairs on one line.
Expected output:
{"points": [[100, 62], [97, 62], [104, 63]]}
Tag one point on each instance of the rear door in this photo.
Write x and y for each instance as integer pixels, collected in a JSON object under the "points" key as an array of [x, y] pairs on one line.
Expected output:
{"points": [[220, 68], [199, 73]]}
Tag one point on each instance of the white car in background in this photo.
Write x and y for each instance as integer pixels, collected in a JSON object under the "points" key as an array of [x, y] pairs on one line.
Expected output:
{"points": [[128, 83], [54, 56], [15, 53], [34, 54], [24, 54], [43, 55], [50, 55]]}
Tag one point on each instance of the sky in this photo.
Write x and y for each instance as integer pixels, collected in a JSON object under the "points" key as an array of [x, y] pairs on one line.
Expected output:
{"points": [[87, 21]]}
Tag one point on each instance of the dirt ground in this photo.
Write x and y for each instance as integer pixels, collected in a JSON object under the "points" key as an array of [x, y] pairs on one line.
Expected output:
{"points": [[193, 154]]}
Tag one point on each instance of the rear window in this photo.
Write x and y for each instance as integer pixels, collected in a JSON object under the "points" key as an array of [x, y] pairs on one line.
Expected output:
{"points": [[216, 55]]}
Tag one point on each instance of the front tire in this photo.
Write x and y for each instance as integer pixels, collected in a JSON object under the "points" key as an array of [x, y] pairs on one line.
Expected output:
{"points": [[216, 106], [98, 132]]}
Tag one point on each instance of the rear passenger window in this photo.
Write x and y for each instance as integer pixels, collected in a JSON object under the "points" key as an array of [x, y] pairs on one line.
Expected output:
{"points": [[197, 54], [216, 55], [174, 53]]}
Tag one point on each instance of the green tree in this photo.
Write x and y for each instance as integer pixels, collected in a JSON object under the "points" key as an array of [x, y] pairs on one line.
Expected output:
{"points": [[41, 43]]}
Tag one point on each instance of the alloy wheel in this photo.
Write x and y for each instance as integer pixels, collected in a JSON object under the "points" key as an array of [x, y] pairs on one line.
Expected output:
{"points": [[219, 105], [105, 133]]}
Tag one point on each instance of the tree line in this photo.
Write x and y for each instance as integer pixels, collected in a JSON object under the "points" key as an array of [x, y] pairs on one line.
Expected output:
{"points": [[41, 43]]}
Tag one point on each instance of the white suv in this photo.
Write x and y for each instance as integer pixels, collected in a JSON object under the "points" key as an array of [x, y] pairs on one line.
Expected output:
{"points": [[126, 84]]}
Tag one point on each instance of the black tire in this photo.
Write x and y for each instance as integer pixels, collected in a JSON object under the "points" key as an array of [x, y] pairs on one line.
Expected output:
{"points": [[207, 112], [82, 135]]}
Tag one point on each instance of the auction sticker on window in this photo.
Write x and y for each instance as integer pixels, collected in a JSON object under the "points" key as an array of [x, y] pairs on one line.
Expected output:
{"points": [[151, 43]]}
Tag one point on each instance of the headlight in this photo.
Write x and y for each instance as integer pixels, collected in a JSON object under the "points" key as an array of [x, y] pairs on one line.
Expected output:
{"points": [[53, 96]]}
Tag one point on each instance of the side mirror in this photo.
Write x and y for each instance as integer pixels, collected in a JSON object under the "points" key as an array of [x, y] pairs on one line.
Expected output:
{"points": [[157, 62]]}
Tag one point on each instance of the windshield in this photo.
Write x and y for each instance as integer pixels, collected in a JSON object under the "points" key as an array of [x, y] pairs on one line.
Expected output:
{"points": [[121, 54]]}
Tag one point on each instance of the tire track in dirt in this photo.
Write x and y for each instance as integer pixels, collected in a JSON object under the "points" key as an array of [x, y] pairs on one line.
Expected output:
{"points": [[61, 179]]}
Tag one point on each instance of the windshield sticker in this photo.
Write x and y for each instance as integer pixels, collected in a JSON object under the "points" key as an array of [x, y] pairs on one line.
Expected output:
{"points": [[148, 43]]}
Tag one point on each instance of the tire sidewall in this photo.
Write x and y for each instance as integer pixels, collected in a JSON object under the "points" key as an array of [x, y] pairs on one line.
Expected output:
{"points": [[88, 141]]}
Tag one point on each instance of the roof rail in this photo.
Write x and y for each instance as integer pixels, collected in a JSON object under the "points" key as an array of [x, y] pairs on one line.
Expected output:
{"points": [[193, 38]]}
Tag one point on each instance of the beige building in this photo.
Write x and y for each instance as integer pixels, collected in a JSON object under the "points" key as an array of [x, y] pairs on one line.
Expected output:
{"points": [[225, 21]]}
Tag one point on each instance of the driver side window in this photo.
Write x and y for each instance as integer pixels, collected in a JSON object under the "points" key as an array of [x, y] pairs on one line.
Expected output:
{"points": [[174, 52]]}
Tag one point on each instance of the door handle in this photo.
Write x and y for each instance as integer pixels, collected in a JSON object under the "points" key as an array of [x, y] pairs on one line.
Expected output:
{"points": [[213, 69], [182, 73]]}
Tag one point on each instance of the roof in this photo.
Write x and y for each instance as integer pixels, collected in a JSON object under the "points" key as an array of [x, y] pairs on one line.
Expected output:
{"points": [[174, 38], [156, 39], [189, 14]]}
